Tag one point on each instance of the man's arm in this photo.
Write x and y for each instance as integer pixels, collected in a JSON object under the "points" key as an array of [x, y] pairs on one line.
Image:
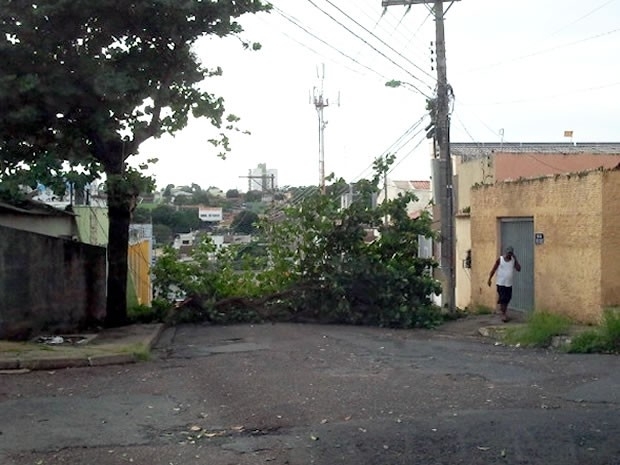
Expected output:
{"points": [[517, 264], [493, 270]]}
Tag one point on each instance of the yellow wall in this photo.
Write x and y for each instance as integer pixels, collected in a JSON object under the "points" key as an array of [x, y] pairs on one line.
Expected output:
{"points": [[140, 271], [567, 209]]}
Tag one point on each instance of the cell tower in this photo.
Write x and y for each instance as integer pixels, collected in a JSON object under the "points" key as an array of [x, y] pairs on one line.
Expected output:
{"points": [[320, 103]]}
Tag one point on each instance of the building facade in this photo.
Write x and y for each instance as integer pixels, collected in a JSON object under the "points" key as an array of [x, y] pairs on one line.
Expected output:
{"points": [[476, 164], [565, 230]]}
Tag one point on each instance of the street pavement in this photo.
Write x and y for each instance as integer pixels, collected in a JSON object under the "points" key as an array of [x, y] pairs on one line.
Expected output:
{"points": [[311, 394]]}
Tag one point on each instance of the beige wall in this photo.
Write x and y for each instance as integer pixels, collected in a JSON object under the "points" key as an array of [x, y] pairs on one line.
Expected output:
{"points": [[567, 210], [468, 174], [463, 275], [527, 165], [610, 249]]}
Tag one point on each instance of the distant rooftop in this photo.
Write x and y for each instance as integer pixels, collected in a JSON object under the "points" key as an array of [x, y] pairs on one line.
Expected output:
{"points": [[413, 185], [469, 150]]}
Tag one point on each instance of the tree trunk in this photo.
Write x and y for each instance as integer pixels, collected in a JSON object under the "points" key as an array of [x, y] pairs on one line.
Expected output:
{"points": [[118, 245]]}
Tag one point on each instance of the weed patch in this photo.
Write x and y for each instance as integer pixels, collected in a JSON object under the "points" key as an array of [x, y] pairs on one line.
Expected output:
{"points": [[605, 339], [539, 330]]}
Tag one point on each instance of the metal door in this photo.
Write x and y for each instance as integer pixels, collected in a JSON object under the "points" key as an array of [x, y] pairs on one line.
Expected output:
{"points": [[519, 233]]}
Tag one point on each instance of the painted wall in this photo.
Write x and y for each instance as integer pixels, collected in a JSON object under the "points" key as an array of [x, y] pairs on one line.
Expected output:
{"points": [[92, 223], [48, 284], [463, 275], [575, 269]]}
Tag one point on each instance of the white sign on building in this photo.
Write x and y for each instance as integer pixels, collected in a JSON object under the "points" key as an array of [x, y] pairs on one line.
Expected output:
{"points": [[210, 214]]}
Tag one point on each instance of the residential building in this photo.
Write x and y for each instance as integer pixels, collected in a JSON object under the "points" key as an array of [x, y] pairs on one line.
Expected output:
{"points": [[421, 189], [488, 163], [565, 230]]}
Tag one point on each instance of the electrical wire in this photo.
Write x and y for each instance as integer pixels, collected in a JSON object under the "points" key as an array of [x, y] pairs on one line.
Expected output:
{"points": [[349, 57], [544, 51], [382, 42], [375, 49]]}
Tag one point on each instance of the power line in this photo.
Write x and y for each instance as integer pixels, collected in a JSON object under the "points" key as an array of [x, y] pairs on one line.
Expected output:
{"points": [[545, 97], [300, 26], [544, 51], [581, 18], [375, 49], [382, 41]]}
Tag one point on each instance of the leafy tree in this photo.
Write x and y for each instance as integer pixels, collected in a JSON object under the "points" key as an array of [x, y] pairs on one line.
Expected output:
{"points": [[232, 194], [163, 234], [245, 222], [167, 194], [319, 262], [141, 215], [253, 196], [179, 221], [83, 83]]}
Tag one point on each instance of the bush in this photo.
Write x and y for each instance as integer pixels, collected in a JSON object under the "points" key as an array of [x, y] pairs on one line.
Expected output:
{"points": [[157, 312], [539, 330]]}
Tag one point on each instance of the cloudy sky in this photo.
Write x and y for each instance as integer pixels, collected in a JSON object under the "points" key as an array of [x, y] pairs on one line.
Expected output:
{"points": [[529, 69]]}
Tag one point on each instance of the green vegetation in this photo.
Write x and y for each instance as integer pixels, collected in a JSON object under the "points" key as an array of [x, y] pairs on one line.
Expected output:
{"points": [[539, 330], [316, 262], [604, 339], [482, 310], [84, 84]]}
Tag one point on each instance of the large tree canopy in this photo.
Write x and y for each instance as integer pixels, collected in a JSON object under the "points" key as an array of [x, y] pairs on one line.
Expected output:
{"points": [[84, 83]]}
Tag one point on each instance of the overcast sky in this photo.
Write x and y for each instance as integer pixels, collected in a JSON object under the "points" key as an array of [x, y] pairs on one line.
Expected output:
{"points": [[529, 68]]}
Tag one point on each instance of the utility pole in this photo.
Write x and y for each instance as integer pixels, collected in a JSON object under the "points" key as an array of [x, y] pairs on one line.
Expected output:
{"points": [[445, 199]]}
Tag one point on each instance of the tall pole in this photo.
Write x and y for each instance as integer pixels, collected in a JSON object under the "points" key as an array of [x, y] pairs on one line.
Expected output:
{"points": [[445, 199], [320, 103]]}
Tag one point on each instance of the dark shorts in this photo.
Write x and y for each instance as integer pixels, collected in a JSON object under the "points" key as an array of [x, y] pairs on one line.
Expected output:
{"points": [[504, 294]]}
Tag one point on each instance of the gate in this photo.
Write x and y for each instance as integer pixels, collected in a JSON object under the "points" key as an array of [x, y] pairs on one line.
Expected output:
{"points": [[519, 233]]}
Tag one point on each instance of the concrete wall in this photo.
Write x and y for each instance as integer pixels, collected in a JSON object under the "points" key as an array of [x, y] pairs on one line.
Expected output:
{"points": [[573, 274], [49, 225], [48, 284]]}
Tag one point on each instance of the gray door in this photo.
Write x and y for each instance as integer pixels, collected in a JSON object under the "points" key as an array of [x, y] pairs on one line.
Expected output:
{"points": [[519, 233]]}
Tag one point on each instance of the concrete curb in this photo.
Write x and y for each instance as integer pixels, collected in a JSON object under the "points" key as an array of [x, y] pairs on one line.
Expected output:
{"points": [[23, 365]]}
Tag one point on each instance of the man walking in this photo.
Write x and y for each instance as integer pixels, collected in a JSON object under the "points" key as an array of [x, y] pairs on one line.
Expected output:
{"points": [[505, 266]]}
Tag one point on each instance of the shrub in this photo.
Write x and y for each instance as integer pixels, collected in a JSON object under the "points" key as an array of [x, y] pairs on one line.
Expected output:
{"points": [[604, 339]]}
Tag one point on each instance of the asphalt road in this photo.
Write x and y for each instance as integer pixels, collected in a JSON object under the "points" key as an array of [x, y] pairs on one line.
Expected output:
{"points": [[305, 394]]}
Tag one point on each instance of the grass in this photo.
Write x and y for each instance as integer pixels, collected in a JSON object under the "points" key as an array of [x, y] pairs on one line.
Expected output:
{"points": [[605, 339], [539, 330]]}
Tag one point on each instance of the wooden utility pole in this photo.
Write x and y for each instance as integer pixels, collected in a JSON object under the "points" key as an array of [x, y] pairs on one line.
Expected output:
{"points": [[444, 199]]}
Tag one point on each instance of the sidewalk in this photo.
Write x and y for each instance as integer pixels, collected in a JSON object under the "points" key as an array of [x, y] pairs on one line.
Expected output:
{"points": [[109, 347]]}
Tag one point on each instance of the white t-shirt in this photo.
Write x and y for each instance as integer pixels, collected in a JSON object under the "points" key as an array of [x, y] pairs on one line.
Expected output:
{"points": [[505, 272]]}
